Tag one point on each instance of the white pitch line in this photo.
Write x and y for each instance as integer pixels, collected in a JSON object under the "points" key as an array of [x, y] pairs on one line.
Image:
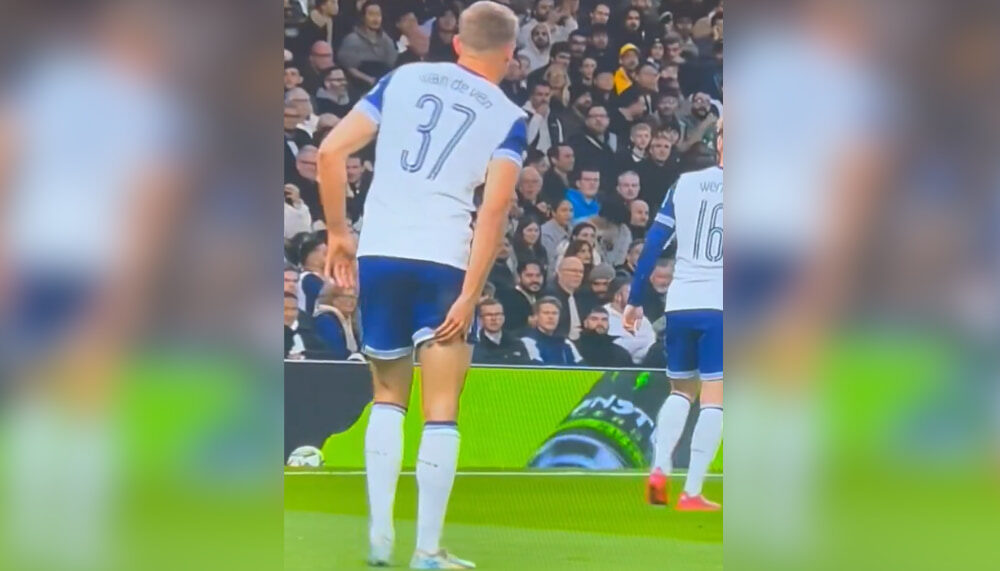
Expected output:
{"points": [[526, 474]]}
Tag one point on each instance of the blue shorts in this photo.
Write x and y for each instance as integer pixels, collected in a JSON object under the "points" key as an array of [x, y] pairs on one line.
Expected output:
{"points": [[693, 344], [402, 302]]}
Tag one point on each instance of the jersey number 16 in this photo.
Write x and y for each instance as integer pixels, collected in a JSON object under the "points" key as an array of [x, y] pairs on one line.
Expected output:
{"points": [[713, 238], [425, 130]]}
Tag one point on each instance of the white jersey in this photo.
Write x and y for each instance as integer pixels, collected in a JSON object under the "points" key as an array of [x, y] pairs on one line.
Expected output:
{"points": [[693, 207], [440, 125]]}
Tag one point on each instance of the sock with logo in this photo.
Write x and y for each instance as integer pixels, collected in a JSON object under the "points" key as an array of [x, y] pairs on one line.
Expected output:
{"points": [[383, 459], [436, 464]]}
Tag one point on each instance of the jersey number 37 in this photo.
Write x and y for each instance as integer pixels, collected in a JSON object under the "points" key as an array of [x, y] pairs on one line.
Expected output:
{"points": [[413, 162]]}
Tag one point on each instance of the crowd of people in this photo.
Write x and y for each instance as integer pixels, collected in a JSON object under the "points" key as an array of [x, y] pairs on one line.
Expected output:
{"points": [[621, 97]]}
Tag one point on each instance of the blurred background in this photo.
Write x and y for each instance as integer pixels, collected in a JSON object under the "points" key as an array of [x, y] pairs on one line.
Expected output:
{"points": [[138, 403]]}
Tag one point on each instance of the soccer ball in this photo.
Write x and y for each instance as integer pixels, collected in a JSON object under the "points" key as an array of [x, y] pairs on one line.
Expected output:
{"points": [[306, 457]]}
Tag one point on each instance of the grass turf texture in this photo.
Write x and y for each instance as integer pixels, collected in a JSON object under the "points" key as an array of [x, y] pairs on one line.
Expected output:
{"points": [[515, 522]]}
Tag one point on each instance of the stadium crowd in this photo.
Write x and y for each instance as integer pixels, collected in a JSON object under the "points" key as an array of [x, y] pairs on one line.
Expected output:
{"points": [[622, 96]]}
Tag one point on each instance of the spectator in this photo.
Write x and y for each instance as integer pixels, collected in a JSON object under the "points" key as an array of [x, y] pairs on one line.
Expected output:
{"points": [[514, 84], [659, 171], [297, 218], [574, 117], [613, 235], [667, 104], [684, 28], [583, 231], [443, 32], [502, 272], [414, 42], [333, 97], [358, 181], [313, 257], [632, 30], [584, 251], [698, 144], [638, 148], [556, 182], [578, 49], [654, 53], [603, 92], [566, 288], [638, 343], [557, 230], [303, 105], [707, 43], [558, 79], [586, 71], [595, 148], [326, 123], [544, 343], [304, 178], [559, 21], [518, 302], [293, 77], [672, 50], [335, 322], [559, 58], [529, 195], [600, 14], [670, 78], [627, 112], [320, 26], [628, 186], [654, 296], [299, 338], [647, 86], [599, 281], [367, 53], [320, 60], [599, 49], [291, 276], [544, 127], [295, 138], [628, 63], [638, 222], [584, 196], [538, 50], [494, 344], [527, 241], [631, 259], [597, 348]]}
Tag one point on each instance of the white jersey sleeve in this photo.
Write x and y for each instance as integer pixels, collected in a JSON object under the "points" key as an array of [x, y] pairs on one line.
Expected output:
{"points": [[439, 127], [694, 208]]}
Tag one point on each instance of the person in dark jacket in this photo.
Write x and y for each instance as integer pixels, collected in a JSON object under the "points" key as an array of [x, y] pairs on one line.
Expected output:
{"points": [[575, 302], [299, 336], [658, 171], [518, 303], [334, 321], [655, 292], [494, 345], [597, 347], [545, 346], [596, 146]]}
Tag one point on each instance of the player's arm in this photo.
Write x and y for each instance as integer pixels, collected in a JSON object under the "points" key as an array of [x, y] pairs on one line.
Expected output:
{"points": [[352, 134], [656, 239]]}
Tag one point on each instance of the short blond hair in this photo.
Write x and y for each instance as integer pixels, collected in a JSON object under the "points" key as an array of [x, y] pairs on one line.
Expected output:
{"points": [[487, 26]]}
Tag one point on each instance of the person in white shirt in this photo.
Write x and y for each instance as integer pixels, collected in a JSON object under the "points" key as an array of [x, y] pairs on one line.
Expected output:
{"points": [[297, 217], [637, 343], [303, 104]]}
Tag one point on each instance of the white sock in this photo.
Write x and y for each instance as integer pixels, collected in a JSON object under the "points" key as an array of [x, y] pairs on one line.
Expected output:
{"points": [[669, 426], [383, 459], [704, 445], [436, 465]]}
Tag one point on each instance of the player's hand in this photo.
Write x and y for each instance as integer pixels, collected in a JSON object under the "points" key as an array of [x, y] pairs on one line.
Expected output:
{"points": [[631, 318], [456, 323], [340, 257]]}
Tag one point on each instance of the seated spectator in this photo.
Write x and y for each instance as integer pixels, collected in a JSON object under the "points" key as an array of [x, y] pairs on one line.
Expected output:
{"points": [[575, 302], [529, 199], [297, 218], [630, 157], [584, 197], [603, 92], [558, 80], [311, 282], [514, 85], [527, 241], [489, 292], [631, 259], [613, 235], [700, 134], [586, 71], [295, 138], [599, 48], [667, 105], [557, 180], [539, 49], [597, 347], [599, 281], [319, 25], [414, 42], [543, 342], [583, 231], [638, 221], [358, 181], [595, 148], [291, 276], [583, 251], [624, 114], [320, 60], [299, 337], [556, 231], [544, 128], [333, 97], [638, 343], [304, 178], [303, 104], [443, 32], [293, 77], [628, 63], [654, 298], [495, 345], [628, 186], [367, 53], [574, 117], [335, 322], [659, 171], [519, 301], [326, 123], [502, 272], [647, 86]]}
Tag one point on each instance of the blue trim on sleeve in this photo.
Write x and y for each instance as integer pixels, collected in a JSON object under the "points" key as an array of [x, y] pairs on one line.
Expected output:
{"points": [[515, 144], [516, 158], [371, 103]]}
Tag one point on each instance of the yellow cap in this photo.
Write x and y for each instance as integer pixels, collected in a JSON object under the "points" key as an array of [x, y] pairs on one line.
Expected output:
{"points": [[626, 48]]}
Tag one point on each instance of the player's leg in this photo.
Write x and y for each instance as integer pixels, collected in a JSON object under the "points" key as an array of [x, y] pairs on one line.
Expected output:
{"points": [[382, 302], [443, 369], [680, 345], [708, 429]]}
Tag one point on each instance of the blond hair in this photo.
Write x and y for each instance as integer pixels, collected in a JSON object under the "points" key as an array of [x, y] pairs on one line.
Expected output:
{"points": [[487, 26]]}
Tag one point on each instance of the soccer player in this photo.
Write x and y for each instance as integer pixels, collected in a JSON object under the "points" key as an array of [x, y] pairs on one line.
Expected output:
{"points": [[441, 129], [691, 211]]}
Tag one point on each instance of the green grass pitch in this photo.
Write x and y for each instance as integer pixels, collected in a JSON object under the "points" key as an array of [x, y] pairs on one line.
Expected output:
{"points": [[509, 522]]}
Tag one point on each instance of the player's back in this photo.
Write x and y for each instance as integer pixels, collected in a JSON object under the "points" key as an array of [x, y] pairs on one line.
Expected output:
{"points": [[697, 209], [440, 125]]}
